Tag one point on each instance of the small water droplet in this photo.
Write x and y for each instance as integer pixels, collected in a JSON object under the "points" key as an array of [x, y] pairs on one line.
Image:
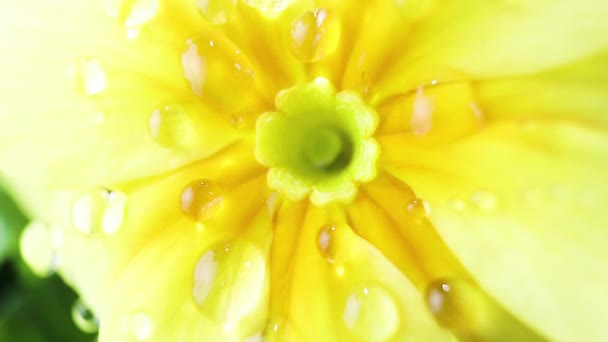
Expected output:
{"points": [[98, 211], [216, 11], [534, 196], [417, 209], [269, 7], [38, 248], [88, 76], [171, 126], [201, 200], [218, 72], [315, 35], [422, 113], [457, 204], [332, 242], [140, 326], [229, 281], [237, 121], [371, 313], [84, 318], [280, 330], [484, 200]]}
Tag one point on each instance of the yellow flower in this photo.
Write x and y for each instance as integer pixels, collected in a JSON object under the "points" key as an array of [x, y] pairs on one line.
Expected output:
{"points": [[302, 170]]}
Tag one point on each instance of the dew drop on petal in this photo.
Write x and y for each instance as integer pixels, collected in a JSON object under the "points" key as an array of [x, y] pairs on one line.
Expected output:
{"points": [[280, 330], [87, 76], [315, 35], [417, 209], [472, 314], [457, 204], [171, 126], [422, 113], [269, 7], [38, 248], [332, 242], [218, 71], [217, 12], [371, 313], [98, 211], [484, 200], [229, 281], [84, 318], [141, 12], [255, 338], [139, 326], [201, 200]]}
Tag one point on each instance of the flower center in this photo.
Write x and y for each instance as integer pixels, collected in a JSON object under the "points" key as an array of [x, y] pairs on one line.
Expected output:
{"points": [[318, 143], [328, 150]]}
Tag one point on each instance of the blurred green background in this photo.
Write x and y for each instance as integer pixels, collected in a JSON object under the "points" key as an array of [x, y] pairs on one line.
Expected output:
{"points": [[33, 309]]}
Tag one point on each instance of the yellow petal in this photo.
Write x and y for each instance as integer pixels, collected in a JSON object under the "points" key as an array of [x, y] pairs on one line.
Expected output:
{"points": [[326, 277], [75, 88], [488, 39], [519, 205]]}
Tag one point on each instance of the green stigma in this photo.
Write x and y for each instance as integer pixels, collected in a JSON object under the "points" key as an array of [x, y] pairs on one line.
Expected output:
{"points": [[318, 143]]}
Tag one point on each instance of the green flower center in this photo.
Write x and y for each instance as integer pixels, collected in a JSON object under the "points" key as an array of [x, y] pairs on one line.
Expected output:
{"points": [[328, 150], [318, 143]]}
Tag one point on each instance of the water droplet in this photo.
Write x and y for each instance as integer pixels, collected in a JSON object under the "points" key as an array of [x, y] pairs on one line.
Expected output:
{"points": [[457, 204], [333, 242], [88, 76], [99, 211], [141, 12], [371, 313], [229, 281], [237, 121], [38, 248], [269, 7], [201, 200], [484, 200], [417, 209], [422, 113], [140, 326], [315, 35], [216, 11], [218, 71], [534, 196], [255, 338], [280, 330], [171, 126], [84, 318], [471, 314]]}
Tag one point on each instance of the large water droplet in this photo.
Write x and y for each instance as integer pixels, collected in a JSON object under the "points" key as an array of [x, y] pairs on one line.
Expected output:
{"points": [[229, 281], [141, 12], [472, 315], [201, 200], [216, 11], [139, 326], [333, 242], [371, 313], [269, 7], [422, 113], [87, 76], [484, 200], [99, 211], [171, 126], [315, 35], [39, 249], [84, 318], [218, 72]]}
